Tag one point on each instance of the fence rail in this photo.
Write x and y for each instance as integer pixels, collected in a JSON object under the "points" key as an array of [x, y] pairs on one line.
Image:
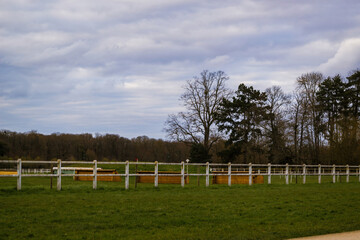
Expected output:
{"points": [[228, 169]]}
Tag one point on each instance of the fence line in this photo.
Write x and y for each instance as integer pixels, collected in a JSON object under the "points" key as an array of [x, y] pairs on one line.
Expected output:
{"points": [[268, 170]]}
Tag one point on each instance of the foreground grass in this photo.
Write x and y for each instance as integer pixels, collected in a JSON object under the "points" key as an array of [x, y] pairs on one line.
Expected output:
{"points": [[170, 212]]}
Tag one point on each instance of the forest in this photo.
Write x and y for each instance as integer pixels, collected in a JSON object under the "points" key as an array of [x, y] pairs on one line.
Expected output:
{"points": [[318, 123], [86, 147]]}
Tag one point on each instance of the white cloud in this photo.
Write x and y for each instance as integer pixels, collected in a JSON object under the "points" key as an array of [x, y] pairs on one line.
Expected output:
{"points": [[312, 53], [82, 73], [346, 58], [219, 60]]}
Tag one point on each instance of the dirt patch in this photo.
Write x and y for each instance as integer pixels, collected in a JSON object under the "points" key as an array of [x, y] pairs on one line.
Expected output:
{"points": [[336, 236]]}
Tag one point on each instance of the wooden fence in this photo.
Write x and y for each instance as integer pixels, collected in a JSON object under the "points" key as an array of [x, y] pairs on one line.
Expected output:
{"points": [[267, 170]]}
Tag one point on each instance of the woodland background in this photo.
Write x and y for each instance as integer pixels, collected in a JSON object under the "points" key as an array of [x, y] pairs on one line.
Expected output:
{"points": [[318, 123]]}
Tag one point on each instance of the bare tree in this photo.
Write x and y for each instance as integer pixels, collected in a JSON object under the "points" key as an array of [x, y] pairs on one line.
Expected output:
{"points": [[307, 87], [297, 123], [201, 100], [277, 102]]}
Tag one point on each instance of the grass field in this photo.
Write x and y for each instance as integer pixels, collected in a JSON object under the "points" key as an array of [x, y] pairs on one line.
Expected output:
{"points": [[276, 211]]}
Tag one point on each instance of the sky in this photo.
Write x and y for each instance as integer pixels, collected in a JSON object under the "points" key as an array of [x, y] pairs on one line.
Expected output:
{"points": [[119, 66]]}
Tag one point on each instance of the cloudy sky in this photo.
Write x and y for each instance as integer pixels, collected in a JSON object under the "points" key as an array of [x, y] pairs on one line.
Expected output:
{"points": [[118, 66]]}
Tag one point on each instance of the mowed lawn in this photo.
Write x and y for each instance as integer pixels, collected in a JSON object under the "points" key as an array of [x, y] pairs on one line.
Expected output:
{"points": [[261, 211]]}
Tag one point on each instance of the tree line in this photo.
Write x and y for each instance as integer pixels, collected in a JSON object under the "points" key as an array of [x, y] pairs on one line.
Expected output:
{"points": [[317, 123], [86, 147]]}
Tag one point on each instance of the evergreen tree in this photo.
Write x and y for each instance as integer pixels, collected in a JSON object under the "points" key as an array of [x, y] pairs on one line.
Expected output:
{"points": [[241, 119], [333, 101]]}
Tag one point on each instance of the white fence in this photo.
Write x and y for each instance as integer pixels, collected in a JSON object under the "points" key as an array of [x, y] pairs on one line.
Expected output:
{"points": [[267, 170]]}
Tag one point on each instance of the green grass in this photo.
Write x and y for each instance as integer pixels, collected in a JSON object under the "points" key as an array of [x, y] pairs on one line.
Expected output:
{"points": [[262, 211]]}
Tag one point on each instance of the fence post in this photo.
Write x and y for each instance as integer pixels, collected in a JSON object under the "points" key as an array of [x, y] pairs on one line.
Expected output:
{"points": [[304, 173], [156, 179], [269, 173], [207, 173], [127, 175], [19, 169], [333, 173], [95, 175], [250, 174], [59, 175], [182, 173], [287, 174], [347, 173], [229, 173], [198, 177], [319, 172]]}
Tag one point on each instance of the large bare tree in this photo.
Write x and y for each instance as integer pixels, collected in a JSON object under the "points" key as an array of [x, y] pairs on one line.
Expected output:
{"points": [[276, 124], [307, 86], [201, 100]]}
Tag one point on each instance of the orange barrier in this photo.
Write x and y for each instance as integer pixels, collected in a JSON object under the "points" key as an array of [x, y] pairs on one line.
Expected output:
{"points": [[99, 178], [235, 179], [8, 172], [161, 179]]}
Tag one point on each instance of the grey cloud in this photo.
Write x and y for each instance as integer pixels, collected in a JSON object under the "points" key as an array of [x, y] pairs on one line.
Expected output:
{"points": [[118, 66]]}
